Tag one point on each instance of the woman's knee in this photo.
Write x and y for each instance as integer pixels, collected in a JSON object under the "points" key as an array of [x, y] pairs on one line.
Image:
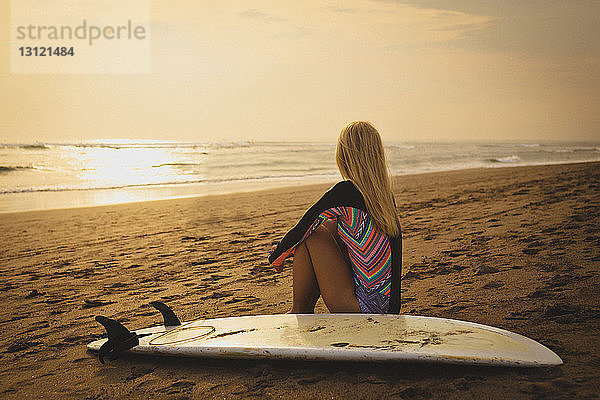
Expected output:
{"points": [[331, 226], [320, 234]]}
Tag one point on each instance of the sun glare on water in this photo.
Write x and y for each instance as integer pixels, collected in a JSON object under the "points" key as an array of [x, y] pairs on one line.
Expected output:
{"points": [[111, 167], [137, 168]]}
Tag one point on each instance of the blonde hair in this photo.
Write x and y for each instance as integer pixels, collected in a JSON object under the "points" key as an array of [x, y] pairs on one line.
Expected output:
{"points": [[361, 159]]}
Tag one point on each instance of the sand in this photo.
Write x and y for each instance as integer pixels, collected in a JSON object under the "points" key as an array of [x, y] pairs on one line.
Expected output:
{"points": [[517, 248]]}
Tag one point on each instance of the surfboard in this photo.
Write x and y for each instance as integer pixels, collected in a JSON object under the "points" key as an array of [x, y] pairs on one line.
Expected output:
{"points": [[342, 337]]}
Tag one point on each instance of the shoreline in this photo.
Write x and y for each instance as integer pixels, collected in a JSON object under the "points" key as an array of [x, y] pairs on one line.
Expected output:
{"points": [[117, 192]]}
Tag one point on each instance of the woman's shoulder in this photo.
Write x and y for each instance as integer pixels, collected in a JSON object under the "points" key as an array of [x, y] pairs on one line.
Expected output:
{"points": [[344, 185], [345, 193], [343, 188]]}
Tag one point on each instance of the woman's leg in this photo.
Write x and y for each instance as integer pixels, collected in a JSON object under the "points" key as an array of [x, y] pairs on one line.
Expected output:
{"points": [[320, 269], [306, 290]]}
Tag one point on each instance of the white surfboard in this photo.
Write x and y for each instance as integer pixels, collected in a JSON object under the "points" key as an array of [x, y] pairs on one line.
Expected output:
{"points": [[347, 337]]}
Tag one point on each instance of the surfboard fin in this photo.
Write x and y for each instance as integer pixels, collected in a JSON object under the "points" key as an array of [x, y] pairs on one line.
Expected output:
{"points": [[120, 339], [169, 317]]}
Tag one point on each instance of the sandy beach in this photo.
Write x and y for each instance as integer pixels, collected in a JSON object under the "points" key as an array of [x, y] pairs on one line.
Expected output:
{"points": [[517, 248]]}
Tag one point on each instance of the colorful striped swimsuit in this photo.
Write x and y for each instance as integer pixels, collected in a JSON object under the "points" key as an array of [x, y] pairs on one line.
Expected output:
{"points": [[375, 258]]}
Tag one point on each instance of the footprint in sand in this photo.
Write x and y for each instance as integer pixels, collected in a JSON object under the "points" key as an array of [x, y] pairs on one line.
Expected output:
{"points": [[20, 345], [95, 303], [202, 262], [487, 269], [493, 285], [178, 387], [34, 293]]}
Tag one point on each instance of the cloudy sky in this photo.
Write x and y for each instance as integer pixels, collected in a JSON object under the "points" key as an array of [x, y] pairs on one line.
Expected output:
{"points": [[430, 70]]}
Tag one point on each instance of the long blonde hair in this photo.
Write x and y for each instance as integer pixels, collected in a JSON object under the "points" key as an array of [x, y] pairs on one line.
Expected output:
{"points": [[361, 159]]}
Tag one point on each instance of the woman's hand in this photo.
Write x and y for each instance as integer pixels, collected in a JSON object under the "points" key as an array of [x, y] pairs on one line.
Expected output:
{"points": [[278, 267]]}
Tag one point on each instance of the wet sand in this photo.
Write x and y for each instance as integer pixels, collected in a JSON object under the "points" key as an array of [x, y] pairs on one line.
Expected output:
{"points": [[517, 248]]}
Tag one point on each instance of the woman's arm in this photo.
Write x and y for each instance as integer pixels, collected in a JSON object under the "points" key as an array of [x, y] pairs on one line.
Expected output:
{"points": [[343, 194]]}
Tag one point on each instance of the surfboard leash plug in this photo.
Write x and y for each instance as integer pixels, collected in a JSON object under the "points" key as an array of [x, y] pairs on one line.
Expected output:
{"points": [[120, 339]]}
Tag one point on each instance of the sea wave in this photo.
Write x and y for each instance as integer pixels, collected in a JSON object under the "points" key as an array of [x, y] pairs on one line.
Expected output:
{"points": [[31, 146], [399, 146], [182, 164], [34, 147], [508, 159], [161, 145], [582, 149], [6, 168], [129, 145], [229, 145]]}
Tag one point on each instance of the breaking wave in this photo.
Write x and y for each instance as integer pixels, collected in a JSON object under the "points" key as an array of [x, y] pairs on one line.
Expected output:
{"points": [[509, 159]]}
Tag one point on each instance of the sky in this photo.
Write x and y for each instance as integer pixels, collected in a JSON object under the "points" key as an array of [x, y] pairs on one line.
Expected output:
{"points": [[430, 70]]}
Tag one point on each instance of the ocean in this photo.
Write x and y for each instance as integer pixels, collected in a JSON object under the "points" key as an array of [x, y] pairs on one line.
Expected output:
{"points": [[58, 175]]}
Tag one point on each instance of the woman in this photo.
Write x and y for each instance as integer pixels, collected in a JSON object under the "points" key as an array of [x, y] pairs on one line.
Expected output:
{"points": [[347, 247]]}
